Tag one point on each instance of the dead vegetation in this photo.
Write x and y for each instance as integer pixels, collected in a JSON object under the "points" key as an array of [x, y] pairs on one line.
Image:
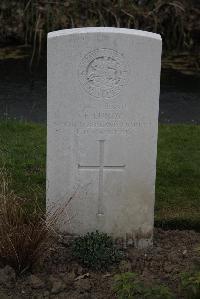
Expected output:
{"points": [[27, 22], [26, 232], [30, 20]]}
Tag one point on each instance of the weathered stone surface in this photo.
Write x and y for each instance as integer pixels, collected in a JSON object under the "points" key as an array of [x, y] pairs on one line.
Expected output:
{"points": [[103, 94]]}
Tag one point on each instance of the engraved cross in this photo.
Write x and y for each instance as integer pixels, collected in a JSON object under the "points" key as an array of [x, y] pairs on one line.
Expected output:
{"points": [[101, 167]]}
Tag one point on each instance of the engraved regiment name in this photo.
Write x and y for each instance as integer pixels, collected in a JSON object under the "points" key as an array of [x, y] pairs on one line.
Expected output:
{"points": [[103, 73]]}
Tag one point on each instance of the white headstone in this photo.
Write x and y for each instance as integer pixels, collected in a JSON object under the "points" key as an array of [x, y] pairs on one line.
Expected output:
{"points": [[103, 102]]}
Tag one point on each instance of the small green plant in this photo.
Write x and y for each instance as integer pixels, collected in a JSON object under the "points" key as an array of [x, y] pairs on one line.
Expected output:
{"points": [[96, 250], [190, 285], [158, 292], [128, 286]]}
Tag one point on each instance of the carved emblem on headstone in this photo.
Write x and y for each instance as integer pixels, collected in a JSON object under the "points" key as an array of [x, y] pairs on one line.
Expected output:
{"points": [[103, 73]]}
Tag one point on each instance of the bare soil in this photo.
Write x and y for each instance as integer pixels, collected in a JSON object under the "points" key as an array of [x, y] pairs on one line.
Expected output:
{"points": [[60, 276]]}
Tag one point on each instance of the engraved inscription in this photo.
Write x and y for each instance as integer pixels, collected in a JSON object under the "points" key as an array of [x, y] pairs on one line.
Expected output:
{"points": [[103, 72], [122, 124], [101, 168], [111, 119]]}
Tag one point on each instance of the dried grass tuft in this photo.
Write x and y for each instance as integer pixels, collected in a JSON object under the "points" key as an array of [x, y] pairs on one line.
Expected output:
{"points": [[26, 232], [176, 20]]}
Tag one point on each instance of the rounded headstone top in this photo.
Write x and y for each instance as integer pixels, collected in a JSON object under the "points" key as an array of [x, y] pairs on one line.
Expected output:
{"points": [[113, 30]]}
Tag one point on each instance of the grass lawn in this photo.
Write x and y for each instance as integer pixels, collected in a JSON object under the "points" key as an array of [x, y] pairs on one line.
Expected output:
{"points": [[178, 177], [22, 153]]}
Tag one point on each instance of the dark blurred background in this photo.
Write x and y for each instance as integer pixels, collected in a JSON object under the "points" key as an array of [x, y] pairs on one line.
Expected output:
{"points": [[23, 30]]}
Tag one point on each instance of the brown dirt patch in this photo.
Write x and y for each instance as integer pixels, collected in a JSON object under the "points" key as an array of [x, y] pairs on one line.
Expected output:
{"points": [[59, 276]]}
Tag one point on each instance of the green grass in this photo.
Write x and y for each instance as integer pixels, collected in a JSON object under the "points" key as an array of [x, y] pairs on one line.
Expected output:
{"points": [[22, 152], [178, 176]]}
